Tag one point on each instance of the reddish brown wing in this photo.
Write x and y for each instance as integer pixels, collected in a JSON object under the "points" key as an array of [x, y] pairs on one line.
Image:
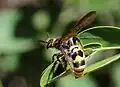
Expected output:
{"points": [[83, 22]]}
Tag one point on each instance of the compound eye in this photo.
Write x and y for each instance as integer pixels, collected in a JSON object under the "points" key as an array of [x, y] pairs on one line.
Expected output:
{"points": [[49, 44]]}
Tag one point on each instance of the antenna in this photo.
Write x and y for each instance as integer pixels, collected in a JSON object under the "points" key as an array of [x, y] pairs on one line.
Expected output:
{"points": [[48, 35], [45, 42], [42, 41]]}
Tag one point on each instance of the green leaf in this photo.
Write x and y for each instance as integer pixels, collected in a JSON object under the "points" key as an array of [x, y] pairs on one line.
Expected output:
{"points": [[100, 64], [65, 73], [107, 48], [48, 74], [92, 45], [1, 85], [107, 36], [91, 58], [45, 75]]}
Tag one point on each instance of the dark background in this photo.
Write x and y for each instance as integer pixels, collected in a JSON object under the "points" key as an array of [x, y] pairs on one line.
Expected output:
{"points": [[23, 22]]}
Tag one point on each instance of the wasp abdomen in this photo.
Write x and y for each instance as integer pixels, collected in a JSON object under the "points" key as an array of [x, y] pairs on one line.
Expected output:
{"points": [[77, 64]]}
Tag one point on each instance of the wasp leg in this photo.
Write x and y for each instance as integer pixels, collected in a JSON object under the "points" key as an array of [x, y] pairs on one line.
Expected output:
{"points": [[59, 57], [64, 63], [88, 52], [56, 57], [57, 60], [81, 45], [80, 42], [53, 71]]}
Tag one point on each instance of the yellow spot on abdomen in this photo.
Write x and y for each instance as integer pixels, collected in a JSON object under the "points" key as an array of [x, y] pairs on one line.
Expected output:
{"points": [[78, 59]]}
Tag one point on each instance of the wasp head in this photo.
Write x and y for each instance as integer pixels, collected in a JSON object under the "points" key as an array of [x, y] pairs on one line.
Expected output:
{"points": [[50, 43]]}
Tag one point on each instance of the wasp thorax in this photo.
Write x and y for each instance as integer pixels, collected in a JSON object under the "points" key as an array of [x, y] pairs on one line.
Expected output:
{"points": [[50, 42]]}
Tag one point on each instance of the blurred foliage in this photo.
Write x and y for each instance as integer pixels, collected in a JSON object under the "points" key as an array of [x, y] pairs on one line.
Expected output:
{"points": [[1, 84], [22, 24]]}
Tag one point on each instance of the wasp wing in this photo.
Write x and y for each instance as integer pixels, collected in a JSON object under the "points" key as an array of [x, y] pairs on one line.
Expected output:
{"points": [[83, 22], [67, 57]]}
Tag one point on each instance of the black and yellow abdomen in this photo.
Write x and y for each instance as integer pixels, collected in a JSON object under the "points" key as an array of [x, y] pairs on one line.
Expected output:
{"points": [[73, 48], [78, 60]]}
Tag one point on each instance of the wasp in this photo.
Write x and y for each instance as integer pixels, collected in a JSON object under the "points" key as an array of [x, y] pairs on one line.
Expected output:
{"points": [[70, 46]]}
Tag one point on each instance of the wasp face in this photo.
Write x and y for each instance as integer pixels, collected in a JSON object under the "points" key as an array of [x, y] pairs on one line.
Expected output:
{"points": [[50, 42]]}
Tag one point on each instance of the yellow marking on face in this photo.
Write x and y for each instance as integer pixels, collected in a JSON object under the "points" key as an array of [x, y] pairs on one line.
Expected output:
{"points": [[53, 41]]}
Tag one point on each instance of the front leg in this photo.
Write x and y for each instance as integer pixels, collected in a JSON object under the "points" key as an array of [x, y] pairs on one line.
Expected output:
{"points": [[87, 51], [59, 57]]}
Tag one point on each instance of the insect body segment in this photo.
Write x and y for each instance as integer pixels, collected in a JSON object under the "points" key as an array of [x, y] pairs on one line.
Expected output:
{"points": [[50, 42], [76, 55]]}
